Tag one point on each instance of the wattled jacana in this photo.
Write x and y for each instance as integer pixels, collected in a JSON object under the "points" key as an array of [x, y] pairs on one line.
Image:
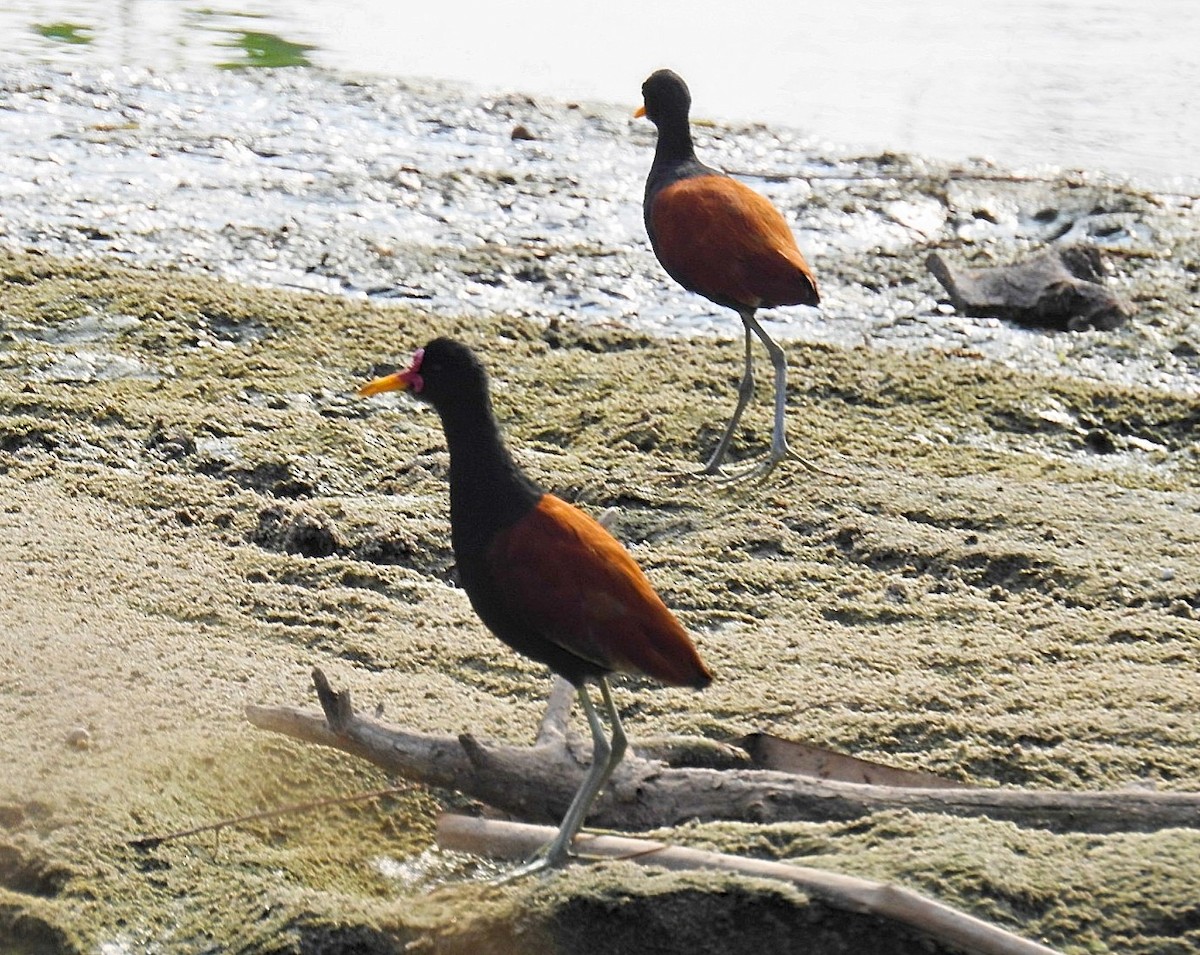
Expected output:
{"points": [[543, 576], [720, 238]]}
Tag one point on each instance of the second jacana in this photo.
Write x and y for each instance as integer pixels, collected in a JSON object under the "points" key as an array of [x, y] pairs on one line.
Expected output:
{"points": [[720, 238]]}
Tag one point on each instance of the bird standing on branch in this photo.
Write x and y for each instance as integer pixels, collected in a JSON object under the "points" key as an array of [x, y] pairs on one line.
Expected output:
{"points": [[543, 576]]}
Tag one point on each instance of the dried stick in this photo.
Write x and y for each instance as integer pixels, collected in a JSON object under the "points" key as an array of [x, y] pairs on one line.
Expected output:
{"points": [[517, 841], [152, 842]]}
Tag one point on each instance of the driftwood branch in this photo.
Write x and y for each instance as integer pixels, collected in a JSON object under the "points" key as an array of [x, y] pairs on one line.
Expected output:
{"points": [[848, 893], [536, 783], [1058, 288]]}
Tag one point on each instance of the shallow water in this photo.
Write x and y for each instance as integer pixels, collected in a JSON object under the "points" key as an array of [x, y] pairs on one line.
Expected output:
{"points": [[1093, 84]]}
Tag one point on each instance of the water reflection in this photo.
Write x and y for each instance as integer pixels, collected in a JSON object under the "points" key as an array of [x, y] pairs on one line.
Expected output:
{"points": [[267, 49], [154, 33], [64, 32]]}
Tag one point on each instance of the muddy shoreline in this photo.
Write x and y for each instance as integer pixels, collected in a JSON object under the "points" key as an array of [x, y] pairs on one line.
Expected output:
{"points": [[195, 510]]}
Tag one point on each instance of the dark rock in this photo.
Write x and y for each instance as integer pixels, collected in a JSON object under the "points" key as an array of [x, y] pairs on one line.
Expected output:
{"points": [[1057, 289]]}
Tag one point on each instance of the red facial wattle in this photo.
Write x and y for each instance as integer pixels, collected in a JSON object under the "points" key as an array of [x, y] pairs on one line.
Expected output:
{"points": [[413, 375]]}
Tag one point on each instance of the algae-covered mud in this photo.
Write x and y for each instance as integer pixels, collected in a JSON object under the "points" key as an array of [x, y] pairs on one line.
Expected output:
{"points": [[993, 576]]}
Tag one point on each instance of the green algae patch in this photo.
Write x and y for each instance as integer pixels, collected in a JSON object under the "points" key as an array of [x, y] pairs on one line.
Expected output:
{"points": [[986, 573]]}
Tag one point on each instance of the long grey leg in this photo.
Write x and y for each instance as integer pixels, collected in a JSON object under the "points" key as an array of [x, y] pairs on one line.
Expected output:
{"points": [[620, 742], [745, 391], [779, 445], [605, 758]]}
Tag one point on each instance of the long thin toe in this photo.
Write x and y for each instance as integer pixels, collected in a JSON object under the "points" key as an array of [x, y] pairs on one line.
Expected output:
{"points": [[542, 863], [756, 471]]}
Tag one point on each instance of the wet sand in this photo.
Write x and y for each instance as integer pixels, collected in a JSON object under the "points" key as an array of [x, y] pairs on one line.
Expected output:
{"points": [[195, 510]]}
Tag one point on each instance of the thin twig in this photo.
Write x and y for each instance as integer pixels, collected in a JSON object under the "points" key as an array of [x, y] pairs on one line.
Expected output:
{"points": [[152, 842]]}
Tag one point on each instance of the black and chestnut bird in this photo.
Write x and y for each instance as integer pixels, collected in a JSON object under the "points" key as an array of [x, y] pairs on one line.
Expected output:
{"points": [[543, 576], [720, 238]]}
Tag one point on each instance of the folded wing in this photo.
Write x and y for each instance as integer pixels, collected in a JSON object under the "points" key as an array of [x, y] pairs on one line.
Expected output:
{"points": [[720, 238], [573, 584]]}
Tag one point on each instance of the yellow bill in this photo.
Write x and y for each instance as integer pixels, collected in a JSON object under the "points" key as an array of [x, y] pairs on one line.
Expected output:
{"points": [[397, 381]]}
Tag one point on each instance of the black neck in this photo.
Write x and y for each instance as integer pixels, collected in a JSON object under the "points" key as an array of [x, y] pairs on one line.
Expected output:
{"points": [[674, 141], [488, 492]]}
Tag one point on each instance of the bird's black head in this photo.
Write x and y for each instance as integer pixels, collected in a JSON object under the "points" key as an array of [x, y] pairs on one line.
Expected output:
{"points": [[448, 371], [445, 372], [666, 96]]}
